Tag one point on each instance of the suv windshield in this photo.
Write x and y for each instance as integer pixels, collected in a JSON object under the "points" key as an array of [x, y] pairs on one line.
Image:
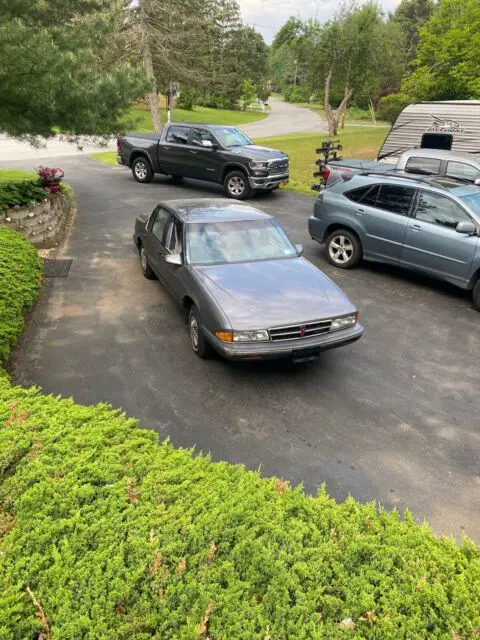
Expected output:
{"points": [[243, 241], [231, 137]]}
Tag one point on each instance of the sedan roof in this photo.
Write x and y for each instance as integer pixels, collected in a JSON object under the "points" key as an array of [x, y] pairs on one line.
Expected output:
{"points": [[213, 210]]}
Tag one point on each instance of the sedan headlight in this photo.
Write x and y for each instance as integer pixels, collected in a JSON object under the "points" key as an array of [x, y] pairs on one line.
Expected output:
{"points": [[257, 166], [344, 323], [243, 336]]}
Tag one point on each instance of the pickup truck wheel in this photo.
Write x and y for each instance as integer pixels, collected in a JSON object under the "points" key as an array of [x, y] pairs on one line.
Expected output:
{"points": [[343, 249], [200, 346], [476, 295], [141, 170], [146, 268], [236, 185]]}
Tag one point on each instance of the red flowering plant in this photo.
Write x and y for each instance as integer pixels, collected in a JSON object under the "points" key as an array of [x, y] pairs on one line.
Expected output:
{"points": [[50, 178]]}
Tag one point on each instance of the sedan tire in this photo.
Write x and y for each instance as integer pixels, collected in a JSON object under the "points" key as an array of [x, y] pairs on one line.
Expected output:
{"points": [[200, 346], [343, 249], [146, 268], [141, 170], [236, 185], [476, 295]]}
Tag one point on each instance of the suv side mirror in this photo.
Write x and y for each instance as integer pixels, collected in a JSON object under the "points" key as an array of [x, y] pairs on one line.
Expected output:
{"points": [[466, 227], [174, 258], [207, 144], [299, 248]]}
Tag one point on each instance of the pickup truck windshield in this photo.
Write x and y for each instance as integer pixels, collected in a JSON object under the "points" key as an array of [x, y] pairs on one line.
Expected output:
{"points": [[473, 202], [243, 241], [231, 137]]}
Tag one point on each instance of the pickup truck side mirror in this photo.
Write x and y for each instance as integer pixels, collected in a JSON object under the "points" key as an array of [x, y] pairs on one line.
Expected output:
{"points": [[466, 227]]}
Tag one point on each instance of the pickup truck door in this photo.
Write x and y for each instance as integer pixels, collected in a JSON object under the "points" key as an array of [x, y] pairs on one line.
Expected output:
{"points": [[207, 161], [173, 151], [432, 243], [382, 211]]}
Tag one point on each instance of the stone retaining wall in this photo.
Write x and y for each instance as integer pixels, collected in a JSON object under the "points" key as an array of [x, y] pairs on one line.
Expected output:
{"points": [[39, 223]]}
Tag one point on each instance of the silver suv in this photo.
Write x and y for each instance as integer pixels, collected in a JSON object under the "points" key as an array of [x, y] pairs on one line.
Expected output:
{"points": [[422, 223]]}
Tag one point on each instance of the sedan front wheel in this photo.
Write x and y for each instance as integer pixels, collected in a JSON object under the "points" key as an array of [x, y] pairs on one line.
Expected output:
{"points": [[343, 249], [200, 346]]}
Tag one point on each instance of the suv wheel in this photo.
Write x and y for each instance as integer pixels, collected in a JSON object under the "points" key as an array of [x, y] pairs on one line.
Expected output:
{"points": [[200, 346], [343, 249], [476, 295], [141, 170], [236, 185]]}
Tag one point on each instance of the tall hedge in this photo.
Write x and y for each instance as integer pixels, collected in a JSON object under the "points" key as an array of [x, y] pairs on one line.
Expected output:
{"points": [[105, 534], [20, 275]]}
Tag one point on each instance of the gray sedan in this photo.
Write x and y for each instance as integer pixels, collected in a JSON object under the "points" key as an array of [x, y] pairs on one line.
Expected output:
{"points": [[248, 291]]}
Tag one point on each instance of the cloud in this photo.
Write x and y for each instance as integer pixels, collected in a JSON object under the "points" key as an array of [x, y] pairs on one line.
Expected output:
{"points": [[269, 15]]}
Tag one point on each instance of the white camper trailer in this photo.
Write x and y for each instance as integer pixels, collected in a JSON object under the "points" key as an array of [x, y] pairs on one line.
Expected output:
{"points": [[452, 125]]}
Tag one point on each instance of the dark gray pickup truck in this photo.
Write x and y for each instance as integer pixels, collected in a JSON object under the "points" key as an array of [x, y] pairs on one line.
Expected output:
{"points": [[214, 153]]}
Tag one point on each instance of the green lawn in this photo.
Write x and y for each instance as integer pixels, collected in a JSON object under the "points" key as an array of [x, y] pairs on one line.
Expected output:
{"points": [[358, 142], [15, 175], [143, 123], [354, 115]]}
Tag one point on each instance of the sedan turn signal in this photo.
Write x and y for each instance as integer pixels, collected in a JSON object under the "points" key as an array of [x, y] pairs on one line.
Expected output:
{"points": [[224, 336]]}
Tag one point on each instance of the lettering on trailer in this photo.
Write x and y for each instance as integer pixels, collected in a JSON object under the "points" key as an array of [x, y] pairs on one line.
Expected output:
{"points": [[440, 125]]}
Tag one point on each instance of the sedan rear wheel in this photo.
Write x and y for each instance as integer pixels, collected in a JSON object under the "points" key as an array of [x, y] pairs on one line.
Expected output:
{"points": [[200, 346], [343, 249]]}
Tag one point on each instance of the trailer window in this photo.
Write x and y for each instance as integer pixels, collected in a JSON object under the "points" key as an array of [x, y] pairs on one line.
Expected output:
{"points": [[437, 141], [425, 166]]}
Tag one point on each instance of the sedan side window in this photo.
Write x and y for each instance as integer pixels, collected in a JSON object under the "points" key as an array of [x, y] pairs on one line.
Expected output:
{"points": [[440, 210], [395, 198], [177, 135], [160, 225], [462, 171], [174, 237], [201, 135]]}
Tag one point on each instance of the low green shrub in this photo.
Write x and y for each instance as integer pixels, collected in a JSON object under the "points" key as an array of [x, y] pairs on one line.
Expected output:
{"points": [[20, 193], [297, 94], [104, 534], [20, 274], [390, 107]]}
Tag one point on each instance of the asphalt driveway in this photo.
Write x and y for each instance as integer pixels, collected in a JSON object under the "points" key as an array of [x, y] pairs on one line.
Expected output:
{"points": [[394, 417]]}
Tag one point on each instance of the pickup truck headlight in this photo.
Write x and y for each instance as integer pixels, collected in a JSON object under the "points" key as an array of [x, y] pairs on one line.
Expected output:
{"points": [[344, 323], [243, 336], [258, 166]]}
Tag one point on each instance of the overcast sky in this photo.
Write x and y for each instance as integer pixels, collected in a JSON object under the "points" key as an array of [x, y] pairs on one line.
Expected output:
{"points": [[269, 15]]}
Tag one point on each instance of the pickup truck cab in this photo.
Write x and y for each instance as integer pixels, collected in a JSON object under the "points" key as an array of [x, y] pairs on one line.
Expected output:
{"points": [[464, 167], [214, 153]]}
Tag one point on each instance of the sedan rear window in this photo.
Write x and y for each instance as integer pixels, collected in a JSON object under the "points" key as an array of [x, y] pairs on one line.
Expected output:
{"points": [[242, 241]]}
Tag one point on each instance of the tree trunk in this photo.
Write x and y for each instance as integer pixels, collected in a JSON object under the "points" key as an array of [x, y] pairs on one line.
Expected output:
{"points": [[330, 114], [148, 63], [344, 110]]}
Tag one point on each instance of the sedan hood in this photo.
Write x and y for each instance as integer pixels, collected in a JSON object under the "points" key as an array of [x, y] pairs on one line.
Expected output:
{"points": [[254, 152], [273, 293]]}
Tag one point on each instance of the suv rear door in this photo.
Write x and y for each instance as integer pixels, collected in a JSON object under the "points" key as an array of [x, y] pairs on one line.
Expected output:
{"points": [[432, 243], [383, 211]]}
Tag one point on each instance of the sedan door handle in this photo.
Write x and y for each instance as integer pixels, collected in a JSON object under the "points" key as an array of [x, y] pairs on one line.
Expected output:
{"points": [[416, 227], [194, 152], [360, 212]]}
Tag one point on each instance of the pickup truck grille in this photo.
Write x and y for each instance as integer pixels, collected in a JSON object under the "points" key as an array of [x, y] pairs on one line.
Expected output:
{"points": [[299, 331], [279, 166]]}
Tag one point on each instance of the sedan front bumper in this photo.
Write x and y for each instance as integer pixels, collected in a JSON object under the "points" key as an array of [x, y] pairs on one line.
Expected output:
{"points": [[301, 349]]}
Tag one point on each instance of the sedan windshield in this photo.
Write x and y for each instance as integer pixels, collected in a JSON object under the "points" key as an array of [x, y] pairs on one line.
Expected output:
{"points": [[473, 202], [243, 241], [231, 137]]}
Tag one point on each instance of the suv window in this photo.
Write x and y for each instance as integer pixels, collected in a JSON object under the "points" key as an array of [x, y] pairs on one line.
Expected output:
{"points": [[395, 198], [463, 171], [199, 135], [177, 135], [427, 166], [440, 210], [365, 195], [159, 225]]}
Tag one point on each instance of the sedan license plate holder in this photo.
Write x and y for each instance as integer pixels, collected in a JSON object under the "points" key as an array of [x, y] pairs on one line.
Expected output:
{"points": [[305, 355]]}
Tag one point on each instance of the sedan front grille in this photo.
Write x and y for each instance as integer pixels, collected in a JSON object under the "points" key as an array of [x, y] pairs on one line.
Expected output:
{"points": [[299, 331], [278, 165]]}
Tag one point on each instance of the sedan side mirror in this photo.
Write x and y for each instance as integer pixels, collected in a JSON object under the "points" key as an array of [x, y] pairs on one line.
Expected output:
{"points": [[299, 248], [174, 258], [466, 227]]}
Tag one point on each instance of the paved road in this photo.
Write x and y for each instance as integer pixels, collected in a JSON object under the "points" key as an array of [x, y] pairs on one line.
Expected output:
{"points": [[285, 118], [12, 149], [393, 417]]}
